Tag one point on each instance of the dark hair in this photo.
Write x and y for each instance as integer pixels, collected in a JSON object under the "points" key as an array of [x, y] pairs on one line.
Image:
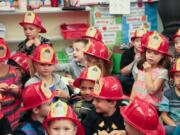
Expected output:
{"points": [[164, 62], [118, 102], [13, 63]]}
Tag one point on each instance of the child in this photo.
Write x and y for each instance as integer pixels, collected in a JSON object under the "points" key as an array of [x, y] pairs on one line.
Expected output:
{"points": [[128, 58], [32, 27], [21, 63], [152, 70], [106, 118], [9, 87], [170, 104], [141, 118], [78, 65], [44, 61], [85, 83], [37, 99], [62, 120], [93, 33], [5, 128], [97, 54]]}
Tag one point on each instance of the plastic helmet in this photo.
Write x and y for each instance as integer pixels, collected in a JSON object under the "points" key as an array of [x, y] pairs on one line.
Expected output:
{"points": [[60, 110], [22, 60], [94, 33], [4, 50], [97, 49], [143, 116], [176, 67], [35, 94], [92, 73], [44, 54], [176, 35], [139, 32], [108, 88], [34, 19], [157, 42]]}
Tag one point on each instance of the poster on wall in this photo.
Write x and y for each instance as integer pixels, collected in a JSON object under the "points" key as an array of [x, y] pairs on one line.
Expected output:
{"points": [[144, 15], [110, 25]]}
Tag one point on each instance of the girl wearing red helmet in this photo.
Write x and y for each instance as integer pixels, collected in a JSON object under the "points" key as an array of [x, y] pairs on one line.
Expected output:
{"points": [[62, 120], [98, 54], [10, 89], [42, 65], [152, 71], [32, 26]]}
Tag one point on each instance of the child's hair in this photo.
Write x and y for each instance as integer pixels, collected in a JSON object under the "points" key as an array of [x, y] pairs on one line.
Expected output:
{"points": [[84, 41], [74, 124], [118, 102], [13, 63], [102, 64], [32, 68], [164, 62]]}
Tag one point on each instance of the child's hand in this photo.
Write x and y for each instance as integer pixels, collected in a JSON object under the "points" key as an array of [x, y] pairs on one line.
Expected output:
{"points": [[118, 132], [29, 43], [137, 55], [3, 86], [37, 41], [14, 89], [147, 66], [61, 93], [102, 132]]}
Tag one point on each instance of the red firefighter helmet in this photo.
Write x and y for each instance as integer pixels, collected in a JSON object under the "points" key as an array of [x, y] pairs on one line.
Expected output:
{"points": [[4, 50], [92, 73], [35, 94], [22, 60], [94, 33], [60, 110], [108, 88], [44, 54], [157, 42], [143, 116], [176, 67], [33, 19], [176, 35], [139, 32], [97, 49]]}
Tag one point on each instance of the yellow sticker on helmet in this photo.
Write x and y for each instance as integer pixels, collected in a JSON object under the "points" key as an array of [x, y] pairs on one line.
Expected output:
{"points": [[46, 91], [154, 41], [91, 31], [141, 31], [3, 51], [178, 65], [98, 87], [88, 46], [29, 17], [59, 109], [46, 54], [94, 73]]}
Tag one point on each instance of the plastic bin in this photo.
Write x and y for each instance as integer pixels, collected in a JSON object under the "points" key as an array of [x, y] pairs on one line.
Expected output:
{"points": [[73, 31], [116, 61], [61, 57]]}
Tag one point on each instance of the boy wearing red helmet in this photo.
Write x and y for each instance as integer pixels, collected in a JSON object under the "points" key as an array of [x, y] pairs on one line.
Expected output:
{"points": [[32, 26], [170, 104], [141, 118], [129, 57], [85, 82], [37, 99], [62, 120], [106, 119]]}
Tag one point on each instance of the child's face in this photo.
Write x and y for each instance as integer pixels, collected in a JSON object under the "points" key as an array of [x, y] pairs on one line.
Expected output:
{"points": [[177, 45], [131, 130], [137, 44], [153, 57], [44, 69], [44, 108], [78, 54], [31, 31], [91, 61], [62, 127], [102, 106], [177, 80], [86, 88]]}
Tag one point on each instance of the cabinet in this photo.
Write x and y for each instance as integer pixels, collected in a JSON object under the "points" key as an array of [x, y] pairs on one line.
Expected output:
{"points": [[51, 19]]}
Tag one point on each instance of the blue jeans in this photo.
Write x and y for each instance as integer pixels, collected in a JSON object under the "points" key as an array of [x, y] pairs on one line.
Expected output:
{"points": [[169, 130]]}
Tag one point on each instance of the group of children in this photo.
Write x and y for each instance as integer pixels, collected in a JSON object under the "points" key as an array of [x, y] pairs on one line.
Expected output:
{"points": [[34, 100]]}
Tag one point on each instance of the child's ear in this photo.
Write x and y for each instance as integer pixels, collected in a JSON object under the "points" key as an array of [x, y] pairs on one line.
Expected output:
{"points": [[35, 110], [113, 103]]}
